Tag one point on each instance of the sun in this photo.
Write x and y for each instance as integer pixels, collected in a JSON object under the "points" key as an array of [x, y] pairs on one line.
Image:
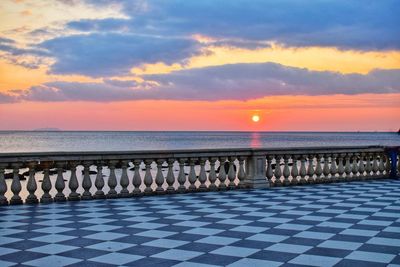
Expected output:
{"points": [[255, 118]]}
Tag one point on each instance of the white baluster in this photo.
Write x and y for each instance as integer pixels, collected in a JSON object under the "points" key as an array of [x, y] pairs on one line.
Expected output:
{"points": [[202, 175], [137, 180], [318, 170], [212, 176], [341, 167], [124, 181], [86, 182], [112, 180], [286, 170], [381, 166], [148, 178], [182, 175], [160, 177], [361, 166], [192, 175], [60, 184], [277, 171], [333, 169], [368, 166], [99, 182], [73, 183], [231, 173], [16, 185], [295, 170], [347, 168], [387, 164], [303, 171], [46, 184], [170, 176], [375, 167], [326, 170], [354, 167], [222, 173], [310, 170], [31, 185]]}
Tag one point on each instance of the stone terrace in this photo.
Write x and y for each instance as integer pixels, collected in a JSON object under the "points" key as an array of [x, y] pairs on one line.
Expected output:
{"points": [[338, 224]]}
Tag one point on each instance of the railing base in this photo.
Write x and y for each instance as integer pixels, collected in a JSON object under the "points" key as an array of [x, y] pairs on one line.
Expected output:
{"points": [[258, 183]]}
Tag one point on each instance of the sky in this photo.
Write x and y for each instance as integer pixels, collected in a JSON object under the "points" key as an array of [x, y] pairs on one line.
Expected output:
{"points": [[323, 65]]}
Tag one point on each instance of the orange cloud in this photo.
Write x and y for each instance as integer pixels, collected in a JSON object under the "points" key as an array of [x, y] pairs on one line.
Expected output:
{"points": [[26, 13], [18, 77]]}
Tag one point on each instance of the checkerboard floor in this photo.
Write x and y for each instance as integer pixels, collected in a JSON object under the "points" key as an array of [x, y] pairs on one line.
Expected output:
{"points": [[345, 224]]}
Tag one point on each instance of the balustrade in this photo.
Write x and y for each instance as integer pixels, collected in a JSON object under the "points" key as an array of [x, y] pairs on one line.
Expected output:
{"points": [[69, 176], [340, 166]]}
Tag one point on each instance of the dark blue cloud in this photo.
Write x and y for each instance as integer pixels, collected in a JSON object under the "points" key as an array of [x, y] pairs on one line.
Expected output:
{"points": [[108, 54], [347, 24], [4, 40], [227, 82], [10, 46]]}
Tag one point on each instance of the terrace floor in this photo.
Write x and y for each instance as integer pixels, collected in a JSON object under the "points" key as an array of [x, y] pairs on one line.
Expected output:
{"points": [[344, 224]]}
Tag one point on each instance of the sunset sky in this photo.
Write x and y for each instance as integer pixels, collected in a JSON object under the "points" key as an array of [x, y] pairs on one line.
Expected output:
{"points": [[200, 65]]}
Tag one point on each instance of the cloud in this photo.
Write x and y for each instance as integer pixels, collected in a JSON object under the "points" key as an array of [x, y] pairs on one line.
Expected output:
{"points": [[121, 83], [75, 91], [4, 40], [227, 82], [347, 24], [30, 58], [108, 24], [11, 47], [112, 54], [249, 81], [159, 31], [7, 98]]}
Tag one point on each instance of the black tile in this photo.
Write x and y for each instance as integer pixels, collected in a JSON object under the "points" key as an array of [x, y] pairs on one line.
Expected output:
{"points": [[83, 253], [143, 250], [274, 256], [215, 259], [80, 242], [152, 262], [22, 256]]}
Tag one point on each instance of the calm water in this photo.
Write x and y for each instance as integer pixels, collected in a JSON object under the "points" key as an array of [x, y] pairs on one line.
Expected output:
{"points": [[12, 141]]}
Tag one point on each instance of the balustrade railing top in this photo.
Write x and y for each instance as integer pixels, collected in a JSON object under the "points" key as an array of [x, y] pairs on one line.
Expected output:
{"points": [[110, 174]]}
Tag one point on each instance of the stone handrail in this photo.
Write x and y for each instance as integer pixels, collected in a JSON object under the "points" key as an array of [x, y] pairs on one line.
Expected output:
{"points": [[96, 175]]}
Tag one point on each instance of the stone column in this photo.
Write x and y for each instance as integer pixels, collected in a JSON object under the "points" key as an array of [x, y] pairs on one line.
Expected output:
{"points": [[256, 172]]}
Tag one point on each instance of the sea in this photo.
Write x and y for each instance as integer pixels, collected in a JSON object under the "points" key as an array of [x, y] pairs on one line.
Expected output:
{"points": [[46, 141]]}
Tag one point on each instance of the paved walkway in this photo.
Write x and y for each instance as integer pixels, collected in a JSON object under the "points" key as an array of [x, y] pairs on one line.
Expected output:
{"points": [[346, 224]]}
